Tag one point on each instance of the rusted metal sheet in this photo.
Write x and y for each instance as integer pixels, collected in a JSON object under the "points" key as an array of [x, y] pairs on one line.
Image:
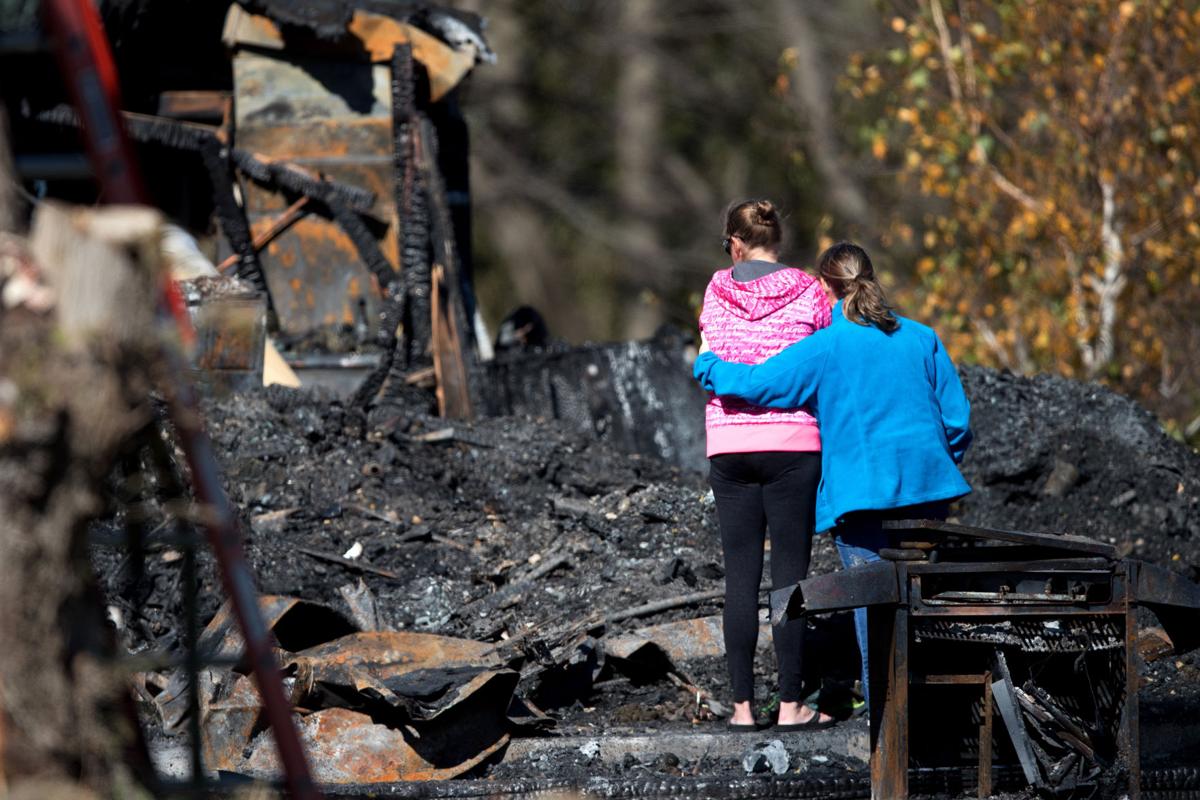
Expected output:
{"points": [[345, 747], [1174, 600], [866, 585], [690, 638], [296, 89], [1050, 541], [422, 676], [1158, 586], [420, 690], [375, 707], [297, 622], [228, 720], [680, 641], [333, 119], [317, 279], [394, 652], [372, 37]]}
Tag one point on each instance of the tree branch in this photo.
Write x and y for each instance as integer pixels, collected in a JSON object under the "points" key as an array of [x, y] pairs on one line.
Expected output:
{"points": [[810, 95], [1113, 281], [943, 31]]}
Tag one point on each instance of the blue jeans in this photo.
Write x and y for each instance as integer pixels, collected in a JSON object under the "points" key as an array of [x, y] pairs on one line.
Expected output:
{"points": [[859, 538]]}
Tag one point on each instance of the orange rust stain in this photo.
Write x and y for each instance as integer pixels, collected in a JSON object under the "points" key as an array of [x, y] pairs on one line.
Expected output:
{"points": [[320, 139], [295, 284], [310, 298], [323, 242], [353, 287]]}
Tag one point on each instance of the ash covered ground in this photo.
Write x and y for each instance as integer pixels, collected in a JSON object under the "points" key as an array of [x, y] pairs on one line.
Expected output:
{"points": [[461, 520]]}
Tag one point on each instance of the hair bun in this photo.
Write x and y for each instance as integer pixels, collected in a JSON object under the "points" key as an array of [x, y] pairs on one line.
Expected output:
{"points": [[755, 222], [765, 213]]}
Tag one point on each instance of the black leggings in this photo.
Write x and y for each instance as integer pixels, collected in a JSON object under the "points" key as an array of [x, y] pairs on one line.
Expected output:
{"points": [[756, 492]]}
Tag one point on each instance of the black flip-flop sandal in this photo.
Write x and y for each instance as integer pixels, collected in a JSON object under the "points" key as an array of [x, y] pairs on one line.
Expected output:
{"points": [[814, 724], [736, 727]]}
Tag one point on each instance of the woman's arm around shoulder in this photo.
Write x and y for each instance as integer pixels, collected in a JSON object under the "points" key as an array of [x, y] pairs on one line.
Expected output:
{"points": [[955, 408], [788, 379], [822, 311]]}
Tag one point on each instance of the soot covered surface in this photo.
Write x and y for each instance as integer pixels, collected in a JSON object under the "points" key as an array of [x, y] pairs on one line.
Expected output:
{"points": [[462, 521]]}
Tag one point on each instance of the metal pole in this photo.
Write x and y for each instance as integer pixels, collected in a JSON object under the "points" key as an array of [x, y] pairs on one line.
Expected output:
{"points": [[226, 542], [192, 662]]}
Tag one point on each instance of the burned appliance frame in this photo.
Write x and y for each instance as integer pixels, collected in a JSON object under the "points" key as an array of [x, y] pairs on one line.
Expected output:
{"points": [[943, 572]]}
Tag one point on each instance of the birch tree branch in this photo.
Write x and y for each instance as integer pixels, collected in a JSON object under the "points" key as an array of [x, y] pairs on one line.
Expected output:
{"points": [[1112, 283]]}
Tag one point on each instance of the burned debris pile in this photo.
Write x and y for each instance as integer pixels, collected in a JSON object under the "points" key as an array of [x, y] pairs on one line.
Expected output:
{"points": [[450, 598], [589, 578], [1052, 454], [579, 585]]}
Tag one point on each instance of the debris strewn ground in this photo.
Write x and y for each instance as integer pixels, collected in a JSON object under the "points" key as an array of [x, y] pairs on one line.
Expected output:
{"points": [[523, 529]]}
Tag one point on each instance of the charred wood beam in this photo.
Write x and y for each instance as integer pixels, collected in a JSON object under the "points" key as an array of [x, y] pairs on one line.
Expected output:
{"points": [[456, 348], [233, 216], [406, 325], [177, 135], [407, 304], [342, 202], [454, 164], [412, 205], [215, 156], [284, 221], [668, 604], [291, 180]]}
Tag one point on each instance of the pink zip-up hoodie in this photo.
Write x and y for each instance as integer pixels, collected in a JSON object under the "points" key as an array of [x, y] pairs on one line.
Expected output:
{"points": [[748, 323]]}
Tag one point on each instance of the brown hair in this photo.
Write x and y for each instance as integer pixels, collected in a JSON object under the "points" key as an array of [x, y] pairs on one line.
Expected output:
{"points": [[847, 269], [755, 222]]}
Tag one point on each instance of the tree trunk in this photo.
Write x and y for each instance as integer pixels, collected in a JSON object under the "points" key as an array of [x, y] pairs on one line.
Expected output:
{"points": [[74, 389], [639, 154], [811, 95]]}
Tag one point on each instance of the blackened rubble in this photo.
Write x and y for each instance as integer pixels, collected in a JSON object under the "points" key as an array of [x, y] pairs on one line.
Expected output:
{"points": [[1053, 454], [517, 525]]}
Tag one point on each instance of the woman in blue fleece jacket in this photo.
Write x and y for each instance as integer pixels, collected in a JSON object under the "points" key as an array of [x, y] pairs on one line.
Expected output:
{"points": [[893, 415]]}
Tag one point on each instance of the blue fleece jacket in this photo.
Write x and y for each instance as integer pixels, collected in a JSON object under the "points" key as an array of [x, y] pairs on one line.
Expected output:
{"points": [[894, 419]]}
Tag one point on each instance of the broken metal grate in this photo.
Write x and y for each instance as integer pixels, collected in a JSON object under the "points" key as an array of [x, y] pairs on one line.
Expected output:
{"points": [[1029, 635]]}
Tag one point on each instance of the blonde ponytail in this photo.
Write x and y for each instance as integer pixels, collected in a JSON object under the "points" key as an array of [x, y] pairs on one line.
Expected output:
{"points": [[847, 269]]}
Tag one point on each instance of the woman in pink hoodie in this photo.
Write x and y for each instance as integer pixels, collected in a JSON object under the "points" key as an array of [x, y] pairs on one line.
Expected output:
{"points": [[764, 464]]}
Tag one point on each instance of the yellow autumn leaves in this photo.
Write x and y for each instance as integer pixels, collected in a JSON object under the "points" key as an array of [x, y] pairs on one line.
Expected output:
{"points": [[1054, 168]]}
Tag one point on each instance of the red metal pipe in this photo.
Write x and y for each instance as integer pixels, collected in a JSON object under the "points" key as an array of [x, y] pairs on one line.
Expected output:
{"points": [[90, 74], [222, 528]]}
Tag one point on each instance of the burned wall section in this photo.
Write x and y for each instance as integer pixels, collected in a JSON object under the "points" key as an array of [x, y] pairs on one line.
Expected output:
{"points": [[638, 396]]}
